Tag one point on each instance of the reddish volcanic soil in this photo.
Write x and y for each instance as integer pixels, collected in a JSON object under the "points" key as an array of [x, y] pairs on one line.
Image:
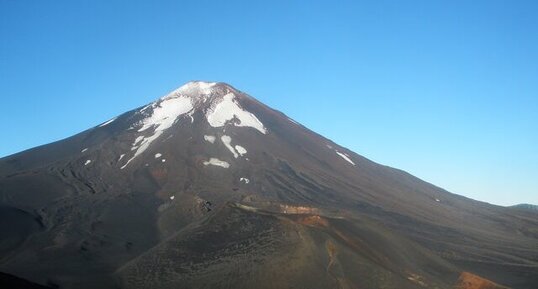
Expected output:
{"points": [[471, 281]]}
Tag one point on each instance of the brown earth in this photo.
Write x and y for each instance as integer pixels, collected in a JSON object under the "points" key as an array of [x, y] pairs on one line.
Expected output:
{"points": [[470, 281]]}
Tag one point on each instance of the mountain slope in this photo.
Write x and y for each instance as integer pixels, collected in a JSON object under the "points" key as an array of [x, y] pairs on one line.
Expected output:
{"points": [[209, 188], [526, 207]]}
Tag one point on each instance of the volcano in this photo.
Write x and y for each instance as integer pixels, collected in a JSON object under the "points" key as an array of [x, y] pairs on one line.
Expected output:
{"points": [[209, 188]]}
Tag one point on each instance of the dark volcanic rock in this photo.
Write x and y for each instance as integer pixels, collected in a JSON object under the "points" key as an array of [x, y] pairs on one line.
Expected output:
{"points": [[209, 188], [12, 282]]}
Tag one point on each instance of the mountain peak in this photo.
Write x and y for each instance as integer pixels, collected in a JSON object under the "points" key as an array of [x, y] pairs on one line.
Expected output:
{"points": [[196, 88], [202, 90], [218, 102]]}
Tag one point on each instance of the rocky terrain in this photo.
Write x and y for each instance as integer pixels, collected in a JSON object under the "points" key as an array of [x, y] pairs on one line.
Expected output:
{"points": [[209, 188]]}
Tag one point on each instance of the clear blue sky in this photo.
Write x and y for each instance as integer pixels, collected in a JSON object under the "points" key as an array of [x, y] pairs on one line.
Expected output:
{"points": [[446, 90]]}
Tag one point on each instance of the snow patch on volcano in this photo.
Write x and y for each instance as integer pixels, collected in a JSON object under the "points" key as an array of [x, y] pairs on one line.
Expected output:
{"points": [[228, 109], [293, 121], [217, 162], [345, 157], [241, 150], [226, 140], [166, 112], [196, 87], [163, 116], [198, 91], [210, 138], [107, 122]]}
